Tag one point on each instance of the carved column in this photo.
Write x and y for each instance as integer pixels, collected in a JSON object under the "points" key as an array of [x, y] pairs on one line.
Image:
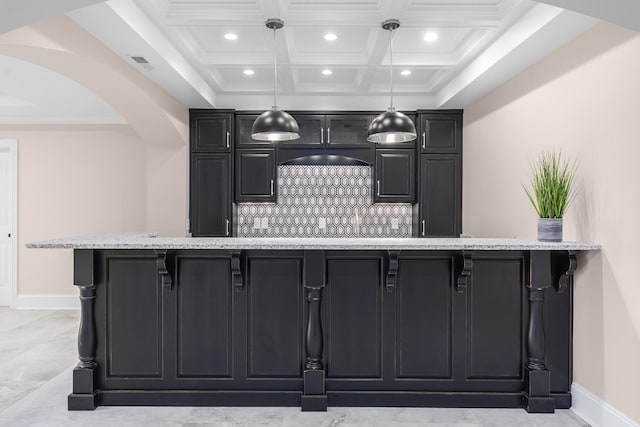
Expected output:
{"points": [[314, 397], [537, 395], [83, 396], [314, 329], [87, 332]]}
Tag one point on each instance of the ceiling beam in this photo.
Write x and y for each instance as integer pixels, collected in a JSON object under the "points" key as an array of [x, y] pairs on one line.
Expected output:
{"points": [[621, 12]]}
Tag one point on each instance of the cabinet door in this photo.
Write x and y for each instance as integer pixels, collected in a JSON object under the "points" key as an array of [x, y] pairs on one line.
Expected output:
{"points": [[255, 176], [440, 195], [440, 132], [312, 132], [395, 176], [347, 130], [210, 196], [210, 131], [200, 320], [244, 123]]}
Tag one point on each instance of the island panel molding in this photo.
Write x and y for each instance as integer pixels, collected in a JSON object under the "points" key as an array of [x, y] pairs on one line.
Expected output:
{"points": [[352, 322]]}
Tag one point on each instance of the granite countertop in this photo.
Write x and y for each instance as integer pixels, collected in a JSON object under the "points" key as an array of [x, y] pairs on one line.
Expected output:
{"points": [[150, 241]]}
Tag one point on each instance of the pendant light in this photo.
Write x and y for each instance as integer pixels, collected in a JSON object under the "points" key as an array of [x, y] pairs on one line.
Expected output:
{"points": [[275, 124], [391, 126]]}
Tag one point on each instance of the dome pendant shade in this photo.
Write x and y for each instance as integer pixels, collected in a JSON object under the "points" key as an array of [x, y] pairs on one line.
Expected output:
{"points": [[390, 127], [275, 125]]}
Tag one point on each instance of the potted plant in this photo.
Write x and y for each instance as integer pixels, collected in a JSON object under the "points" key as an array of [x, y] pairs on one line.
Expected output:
{"points": [[552, 190]]}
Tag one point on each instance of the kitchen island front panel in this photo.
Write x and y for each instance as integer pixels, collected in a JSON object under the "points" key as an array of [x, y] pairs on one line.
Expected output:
{"points": [[324, 327]]}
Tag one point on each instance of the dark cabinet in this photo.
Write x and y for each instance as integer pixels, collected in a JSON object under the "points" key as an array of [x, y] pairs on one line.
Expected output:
{"points": [[395, 176], [440, 132], [210, 195], [440, 199], [210, 131], [312, 132], [331, 130], [348, 130], [255, 175]]}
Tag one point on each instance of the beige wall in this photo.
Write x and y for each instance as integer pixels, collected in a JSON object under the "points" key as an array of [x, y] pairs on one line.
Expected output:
{"points": [[167, 190], [73, 180], [583, 99]]}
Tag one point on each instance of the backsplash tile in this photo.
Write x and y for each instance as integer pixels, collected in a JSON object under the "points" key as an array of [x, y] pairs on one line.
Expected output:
{"points": [[324, 201]]}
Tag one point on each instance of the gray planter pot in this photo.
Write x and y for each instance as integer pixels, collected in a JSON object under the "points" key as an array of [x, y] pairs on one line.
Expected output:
{"points": [[550, 229]]}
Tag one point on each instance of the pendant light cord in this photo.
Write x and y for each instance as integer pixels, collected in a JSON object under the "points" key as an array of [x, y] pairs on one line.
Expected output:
{"points": [[391, 67], [275, 71]]}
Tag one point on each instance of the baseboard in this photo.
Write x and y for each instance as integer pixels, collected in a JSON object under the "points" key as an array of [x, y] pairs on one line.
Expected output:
{"points": [[595, 411], [48, 302]]}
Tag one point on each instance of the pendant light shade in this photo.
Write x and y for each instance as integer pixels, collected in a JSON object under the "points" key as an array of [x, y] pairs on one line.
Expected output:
{"points": [[275, 124], [391, 126]]}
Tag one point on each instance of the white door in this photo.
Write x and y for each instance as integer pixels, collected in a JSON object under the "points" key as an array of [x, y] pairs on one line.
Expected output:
{"points": [[7, 221]]}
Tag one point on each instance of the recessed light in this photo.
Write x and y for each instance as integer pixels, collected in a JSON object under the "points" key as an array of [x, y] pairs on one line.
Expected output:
{"points": [[327, 72], [430, 36], [248, 72], [231, 36], [405, 72], [330, 37]]}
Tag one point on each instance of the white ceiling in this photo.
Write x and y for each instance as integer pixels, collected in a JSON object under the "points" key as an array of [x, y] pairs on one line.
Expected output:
{"points": [[184, 42], [481, 44]]}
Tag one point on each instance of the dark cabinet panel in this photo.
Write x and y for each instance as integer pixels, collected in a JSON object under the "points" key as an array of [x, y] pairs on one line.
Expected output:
{"points": [[495, 321], [274, 318], [348, 130], [244, 123], [354, 318], [203, 317], [210, 131], [441, 132], [440, 195], [395, 179], [134, 319], [312, 132], [255, 174], [210, 196], [424, 339]]}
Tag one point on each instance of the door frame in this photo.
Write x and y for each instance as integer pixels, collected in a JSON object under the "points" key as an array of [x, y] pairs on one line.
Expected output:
{"points": [[12, 144]]}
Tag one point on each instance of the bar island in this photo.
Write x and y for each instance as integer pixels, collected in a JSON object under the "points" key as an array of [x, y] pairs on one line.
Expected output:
{"points": [[452, 322]]}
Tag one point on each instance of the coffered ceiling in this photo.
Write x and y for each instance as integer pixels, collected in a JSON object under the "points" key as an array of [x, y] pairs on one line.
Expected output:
{"points": [[184, 42]]}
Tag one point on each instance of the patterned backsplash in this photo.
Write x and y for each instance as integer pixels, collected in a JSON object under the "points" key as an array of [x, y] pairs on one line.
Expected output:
{"points": [[324, 201]]}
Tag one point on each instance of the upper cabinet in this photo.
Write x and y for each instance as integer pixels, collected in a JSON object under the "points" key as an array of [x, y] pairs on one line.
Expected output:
{"points": [[255, 175], [330, 130], [395, 176], [210, 131], [347, 130], [440, 132]]}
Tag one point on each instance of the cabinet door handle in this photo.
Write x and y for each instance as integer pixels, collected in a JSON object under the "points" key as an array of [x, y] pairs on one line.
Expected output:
{"points": [[228, 139], [378, 185], [321, 135], [328, 135], [424, 140], [272, 187], [228, 227], [422, 228]]}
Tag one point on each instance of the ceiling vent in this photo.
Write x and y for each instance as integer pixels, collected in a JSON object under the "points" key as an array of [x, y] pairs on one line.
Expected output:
{"points": [[142, 61]]}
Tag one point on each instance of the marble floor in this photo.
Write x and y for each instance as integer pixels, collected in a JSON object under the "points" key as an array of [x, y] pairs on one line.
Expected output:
{"points": [[38, 352]]}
